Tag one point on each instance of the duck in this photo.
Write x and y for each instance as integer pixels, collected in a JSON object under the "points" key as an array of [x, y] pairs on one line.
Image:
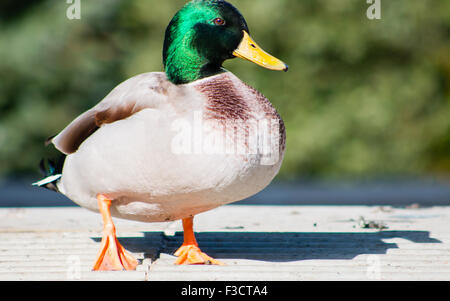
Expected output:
{"points": [[167, 146]]}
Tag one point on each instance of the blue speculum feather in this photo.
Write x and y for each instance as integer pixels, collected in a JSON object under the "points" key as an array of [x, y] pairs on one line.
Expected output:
{"points": [[52, 173], [48, 169]]}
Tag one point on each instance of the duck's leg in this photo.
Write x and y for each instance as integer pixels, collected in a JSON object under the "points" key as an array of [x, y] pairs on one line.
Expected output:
{"points": [[111, 256], [189, 252]]}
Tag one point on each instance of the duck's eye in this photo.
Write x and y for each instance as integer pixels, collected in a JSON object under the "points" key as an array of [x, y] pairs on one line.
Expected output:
{"points": [[219, 21]]}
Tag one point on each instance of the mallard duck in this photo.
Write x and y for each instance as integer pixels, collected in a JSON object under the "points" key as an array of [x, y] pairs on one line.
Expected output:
{"points": [[166, 146]]}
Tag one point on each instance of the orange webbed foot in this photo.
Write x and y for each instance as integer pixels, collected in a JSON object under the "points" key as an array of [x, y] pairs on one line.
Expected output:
{"points": [[191, 254], [112, 256]]}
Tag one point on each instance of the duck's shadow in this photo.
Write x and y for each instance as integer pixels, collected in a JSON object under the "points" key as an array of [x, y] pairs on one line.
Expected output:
{"points": [[277, 247]]}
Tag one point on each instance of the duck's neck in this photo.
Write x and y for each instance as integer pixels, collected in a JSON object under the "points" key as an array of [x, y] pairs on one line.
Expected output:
{"points": [[184, 67]]}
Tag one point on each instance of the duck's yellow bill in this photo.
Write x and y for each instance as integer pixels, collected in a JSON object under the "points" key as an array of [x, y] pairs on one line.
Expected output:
{"points": [[249, 50]]}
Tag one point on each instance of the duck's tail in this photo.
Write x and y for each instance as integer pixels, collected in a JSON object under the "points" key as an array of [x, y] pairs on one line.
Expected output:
{"points": [[52, 175]]}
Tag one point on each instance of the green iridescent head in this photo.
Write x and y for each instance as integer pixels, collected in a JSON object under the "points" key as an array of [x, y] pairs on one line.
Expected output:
{"points": [[200, 37]]}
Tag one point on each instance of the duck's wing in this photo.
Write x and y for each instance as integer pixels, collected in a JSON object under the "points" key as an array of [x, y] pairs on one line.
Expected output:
{"points": [[148, 90]]}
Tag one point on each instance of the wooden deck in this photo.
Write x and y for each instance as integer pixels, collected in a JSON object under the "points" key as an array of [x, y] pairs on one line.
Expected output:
{"points": [[255, 242]]}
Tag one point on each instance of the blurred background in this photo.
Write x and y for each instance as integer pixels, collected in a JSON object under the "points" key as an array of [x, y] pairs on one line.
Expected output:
{"points": [[366, 102]]}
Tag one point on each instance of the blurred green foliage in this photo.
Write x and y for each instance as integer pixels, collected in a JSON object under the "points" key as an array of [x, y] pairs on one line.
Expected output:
{"points": [[362, 97]]}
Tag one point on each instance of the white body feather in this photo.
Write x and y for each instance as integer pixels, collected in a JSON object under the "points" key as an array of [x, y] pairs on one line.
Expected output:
{"points": [[132, 160]]}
